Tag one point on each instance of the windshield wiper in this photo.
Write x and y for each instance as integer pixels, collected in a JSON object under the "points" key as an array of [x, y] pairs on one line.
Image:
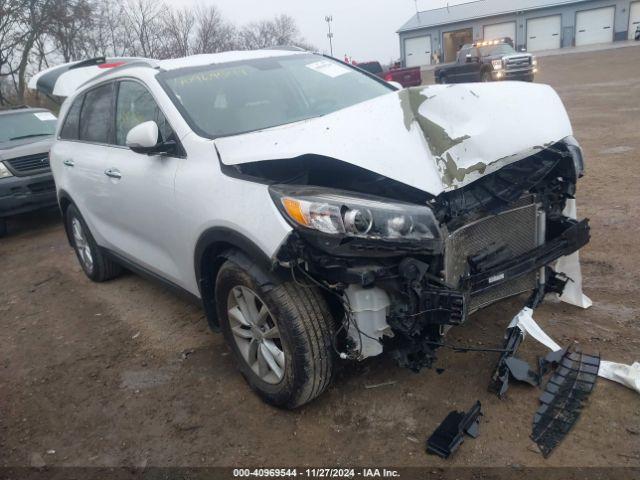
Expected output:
{"points": [[31, 135]]}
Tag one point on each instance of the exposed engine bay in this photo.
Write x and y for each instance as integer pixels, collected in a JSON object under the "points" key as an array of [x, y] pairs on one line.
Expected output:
{"points": [[491, 239]]}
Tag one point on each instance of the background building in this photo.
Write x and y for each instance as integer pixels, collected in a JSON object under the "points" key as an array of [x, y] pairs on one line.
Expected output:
{"points": [[436, 35]]}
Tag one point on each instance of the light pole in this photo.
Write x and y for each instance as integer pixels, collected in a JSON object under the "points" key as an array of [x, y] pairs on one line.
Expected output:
{"points": [[329, 19]]}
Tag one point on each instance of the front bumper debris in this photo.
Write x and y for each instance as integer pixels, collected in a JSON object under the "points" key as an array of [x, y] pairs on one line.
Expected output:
{"points": [[450, 433], [563, 399]]}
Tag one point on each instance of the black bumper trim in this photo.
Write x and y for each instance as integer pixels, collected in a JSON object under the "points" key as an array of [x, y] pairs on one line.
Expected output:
{"points": [[570, 240]]}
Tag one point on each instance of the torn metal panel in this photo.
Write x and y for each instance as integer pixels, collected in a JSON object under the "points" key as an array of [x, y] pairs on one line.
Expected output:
{"points": [[435, 138], [563, 399]]}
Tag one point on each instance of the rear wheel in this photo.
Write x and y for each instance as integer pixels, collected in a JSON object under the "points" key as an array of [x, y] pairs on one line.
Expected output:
{"points": [[280, 333], [92, 259]]}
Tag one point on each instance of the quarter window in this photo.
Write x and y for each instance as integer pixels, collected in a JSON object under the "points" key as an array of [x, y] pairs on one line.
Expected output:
{"points": [[71, 125], [96, 115], [136, 105]]}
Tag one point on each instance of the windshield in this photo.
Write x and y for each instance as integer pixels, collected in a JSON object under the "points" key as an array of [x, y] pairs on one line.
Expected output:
{"points": [[16, 126], [221, 100], [501, 49]]}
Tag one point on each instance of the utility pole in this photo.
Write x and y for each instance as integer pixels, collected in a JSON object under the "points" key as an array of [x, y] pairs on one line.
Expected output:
{"points": [[329, 19]]}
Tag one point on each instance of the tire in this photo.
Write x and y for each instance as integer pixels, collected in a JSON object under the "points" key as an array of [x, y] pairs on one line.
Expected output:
{"points": [[486, 76], [251, 306], [443, 79], [92, 259], [3, 227]]}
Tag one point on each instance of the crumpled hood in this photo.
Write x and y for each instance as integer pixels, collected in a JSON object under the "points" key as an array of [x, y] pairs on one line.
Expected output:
{"points": [[434, 138]]}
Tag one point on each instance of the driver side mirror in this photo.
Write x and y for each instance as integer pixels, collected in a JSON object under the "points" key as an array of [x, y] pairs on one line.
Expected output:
{"points": [[145, 139], [471, 59]]}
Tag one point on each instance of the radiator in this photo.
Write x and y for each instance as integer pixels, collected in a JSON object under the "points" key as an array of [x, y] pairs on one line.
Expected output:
{"points": [[516, 228]]}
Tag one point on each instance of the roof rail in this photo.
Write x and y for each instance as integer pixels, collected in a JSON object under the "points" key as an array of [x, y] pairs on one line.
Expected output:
{"points": [[286, 48]]}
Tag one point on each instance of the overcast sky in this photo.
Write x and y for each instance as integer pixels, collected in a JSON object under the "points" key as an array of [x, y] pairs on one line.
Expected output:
{"points": [[363, 29]]}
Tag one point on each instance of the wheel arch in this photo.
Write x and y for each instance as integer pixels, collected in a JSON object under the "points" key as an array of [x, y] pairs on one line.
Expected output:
{"points": [[219, 244], [64, 201]]}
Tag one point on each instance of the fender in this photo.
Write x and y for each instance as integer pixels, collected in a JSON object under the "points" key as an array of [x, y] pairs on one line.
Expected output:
{"points": [[64, 200], [212, 250]]}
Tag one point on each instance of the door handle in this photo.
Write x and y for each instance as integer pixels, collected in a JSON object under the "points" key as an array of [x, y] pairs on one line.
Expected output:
{"points": [[113, 173], [68, 162]]}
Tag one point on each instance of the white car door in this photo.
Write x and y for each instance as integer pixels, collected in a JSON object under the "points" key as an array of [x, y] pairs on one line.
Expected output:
{"points": [[142, 187], [82, 155]]}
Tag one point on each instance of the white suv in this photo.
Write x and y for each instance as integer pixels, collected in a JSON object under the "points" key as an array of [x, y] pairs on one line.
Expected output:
{"points": [[314, 210]]}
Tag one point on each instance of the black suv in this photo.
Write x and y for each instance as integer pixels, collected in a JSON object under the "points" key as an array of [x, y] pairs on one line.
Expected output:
{"points": [[487, 62], [26, 183]]}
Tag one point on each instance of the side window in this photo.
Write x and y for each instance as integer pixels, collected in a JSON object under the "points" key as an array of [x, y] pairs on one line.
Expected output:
{"points": [[96, 115], [136, 105], [71, 125]]}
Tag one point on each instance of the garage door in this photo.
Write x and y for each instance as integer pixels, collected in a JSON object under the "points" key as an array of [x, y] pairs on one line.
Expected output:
{"points": [[500, 30], [594, 26], [634, 19], [543, 33], [418, 51]]}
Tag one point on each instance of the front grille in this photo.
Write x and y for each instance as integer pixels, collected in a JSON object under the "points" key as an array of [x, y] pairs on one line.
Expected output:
{"points": [[29, 164], [517, 63], [514, 229]]}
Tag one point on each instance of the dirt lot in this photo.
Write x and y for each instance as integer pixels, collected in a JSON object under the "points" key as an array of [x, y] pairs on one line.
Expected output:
{"points": [[125, 373]]}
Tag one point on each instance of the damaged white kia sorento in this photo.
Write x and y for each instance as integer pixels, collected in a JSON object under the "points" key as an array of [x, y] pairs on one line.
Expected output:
{"points": [[317, 212]]}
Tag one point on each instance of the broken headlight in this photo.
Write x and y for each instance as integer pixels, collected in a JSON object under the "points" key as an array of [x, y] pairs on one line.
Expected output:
{"points": [[576, 154], [341, 213]]}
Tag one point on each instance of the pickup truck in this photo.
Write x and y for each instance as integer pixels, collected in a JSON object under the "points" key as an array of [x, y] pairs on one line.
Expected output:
{"points": [[488, 61], [407, 77]]}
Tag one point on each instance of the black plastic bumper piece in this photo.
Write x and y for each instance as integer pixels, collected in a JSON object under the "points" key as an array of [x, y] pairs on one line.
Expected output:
{"points": [[450, 434], [571, 239], [563, 399]]}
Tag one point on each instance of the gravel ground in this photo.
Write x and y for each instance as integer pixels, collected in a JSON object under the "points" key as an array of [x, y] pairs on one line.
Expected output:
{"points": [[125, 373]]}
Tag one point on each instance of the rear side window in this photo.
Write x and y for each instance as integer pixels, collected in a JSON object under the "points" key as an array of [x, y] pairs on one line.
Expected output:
{"points": [[96, 115], [72, 121], [136, 105]]}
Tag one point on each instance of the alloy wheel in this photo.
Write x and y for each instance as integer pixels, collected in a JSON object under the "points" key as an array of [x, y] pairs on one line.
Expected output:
{"points": [[82, 245], [255, 332]]}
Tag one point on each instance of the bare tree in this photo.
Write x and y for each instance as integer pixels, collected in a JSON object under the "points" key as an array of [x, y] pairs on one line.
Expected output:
{"points": [[34, 16], [10, 37], [213, 34], [281, 30], [70, 23], [143, 17], [179, 27]]}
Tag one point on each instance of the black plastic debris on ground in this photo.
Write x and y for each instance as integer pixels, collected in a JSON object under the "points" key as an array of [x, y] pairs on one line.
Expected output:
{"points": [[500, 378], [450, 433], [563, 399]]}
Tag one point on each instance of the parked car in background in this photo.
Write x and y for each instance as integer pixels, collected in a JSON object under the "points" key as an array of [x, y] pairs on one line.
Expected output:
{"points": [[407, 77], [487, 62], [26, 183], [318, 213]]}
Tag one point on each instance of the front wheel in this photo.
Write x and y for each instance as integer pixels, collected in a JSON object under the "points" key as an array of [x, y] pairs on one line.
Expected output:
{"points": [[280, 333], [3, 227], [486, 76], [443, 79]]}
